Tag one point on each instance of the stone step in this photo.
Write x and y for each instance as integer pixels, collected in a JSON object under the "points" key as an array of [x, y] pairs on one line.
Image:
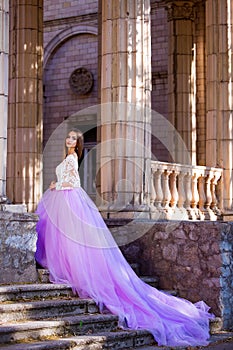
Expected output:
{"points": [[104, 340], [34, 291], [79, 331], [43, 276], [46, 309], [153, 281], [65, 326], [120, 340]]}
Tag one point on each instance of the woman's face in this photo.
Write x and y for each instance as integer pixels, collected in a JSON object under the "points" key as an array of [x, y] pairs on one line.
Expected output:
{"points": [[71, 139]]}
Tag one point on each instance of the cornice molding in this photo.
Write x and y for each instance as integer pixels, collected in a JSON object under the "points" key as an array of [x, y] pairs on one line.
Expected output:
{"points": [[71, 20]]}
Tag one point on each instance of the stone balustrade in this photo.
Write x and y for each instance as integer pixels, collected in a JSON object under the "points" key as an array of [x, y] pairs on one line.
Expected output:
{"points": [[182, 192]]}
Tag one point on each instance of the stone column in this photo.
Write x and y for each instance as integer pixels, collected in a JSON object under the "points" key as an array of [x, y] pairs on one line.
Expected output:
{"points": [[24, 167], [219, 77], [125, 101], [4, 51], [200, 81], [181, 76]]}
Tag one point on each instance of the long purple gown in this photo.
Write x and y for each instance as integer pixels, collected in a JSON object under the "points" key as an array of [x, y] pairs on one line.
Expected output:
{"points": [[77, 248]]}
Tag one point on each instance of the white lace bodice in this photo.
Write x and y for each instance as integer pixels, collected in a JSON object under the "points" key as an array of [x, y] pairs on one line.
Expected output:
{"points": [[67, 173]]}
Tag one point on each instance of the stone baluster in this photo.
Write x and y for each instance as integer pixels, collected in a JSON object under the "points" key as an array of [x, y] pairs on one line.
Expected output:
{"points": [[188, 194], [166, 190], [213, 184], [195, 196], [202, 198], [208, 212], [180, 211], [153, 193], [158, 188], [181, 191], [208, 193], [213, 194], [173, 187]]}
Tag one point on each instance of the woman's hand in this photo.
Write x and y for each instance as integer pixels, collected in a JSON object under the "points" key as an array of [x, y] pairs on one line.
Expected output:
{"points": [[52, 185]]}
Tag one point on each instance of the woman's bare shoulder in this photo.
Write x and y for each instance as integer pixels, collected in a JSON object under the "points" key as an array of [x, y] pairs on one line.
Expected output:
{"points": [[72, 156]]}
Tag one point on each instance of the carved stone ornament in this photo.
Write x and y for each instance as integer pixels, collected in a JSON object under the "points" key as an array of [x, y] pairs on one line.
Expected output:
{"points": [[180, 10], [81, 81]]}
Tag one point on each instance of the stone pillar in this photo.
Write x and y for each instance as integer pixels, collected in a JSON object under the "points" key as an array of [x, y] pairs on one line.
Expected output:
{"points": [[125, 101], [219, 77], [181, 76], [24, 166], [4, 51], [200, 82]]}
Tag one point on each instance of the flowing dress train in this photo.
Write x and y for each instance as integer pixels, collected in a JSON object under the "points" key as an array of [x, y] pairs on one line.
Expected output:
{"points": [[77, 248]]}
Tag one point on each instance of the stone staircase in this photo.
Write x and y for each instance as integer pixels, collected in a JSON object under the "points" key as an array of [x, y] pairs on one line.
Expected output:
{"points": [[48, 316]]}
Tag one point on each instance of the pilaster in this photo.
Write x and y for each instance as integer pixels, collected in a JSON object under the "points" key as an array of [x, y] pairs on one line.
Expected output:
{"points": [[219, 76], [24, 167]]}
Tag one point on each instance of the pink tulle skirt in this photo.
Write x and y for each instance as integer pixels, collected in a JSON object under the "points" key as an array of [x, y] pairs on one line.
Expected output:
{"points": [[77, 248]]}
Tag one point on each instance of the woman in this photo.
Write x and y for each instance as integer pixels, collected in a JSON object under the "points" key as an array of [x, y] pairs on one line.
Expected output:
{"points": [[79, 250]]}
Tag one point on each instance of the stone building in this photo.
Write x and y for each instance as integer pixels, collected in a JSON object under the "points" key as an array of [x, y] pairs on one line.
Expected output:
{"points": [[150, 85], [165, 60]]}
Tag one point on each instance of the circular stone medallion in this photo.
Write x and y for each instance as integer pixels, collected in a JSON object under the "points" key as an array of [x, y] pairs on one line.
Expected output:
{"points": [[81, 81]]}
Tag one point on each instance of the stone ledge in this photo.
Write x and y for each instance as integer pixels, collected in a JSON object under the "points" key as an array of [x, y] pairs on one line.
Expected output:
{"points": [[227, 216], [14, 208], [11, 215]]}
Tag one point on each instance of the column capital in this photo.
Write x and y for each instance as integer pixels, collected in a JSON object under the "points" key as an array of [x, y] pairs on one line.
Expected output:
{"points": [[177, 10]]}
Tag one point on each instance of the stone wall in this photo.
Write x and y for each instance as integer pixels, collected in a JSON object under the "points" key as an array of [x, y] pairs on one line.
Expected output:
{"points": [[18, 243], [194, 258], [61, 9]]}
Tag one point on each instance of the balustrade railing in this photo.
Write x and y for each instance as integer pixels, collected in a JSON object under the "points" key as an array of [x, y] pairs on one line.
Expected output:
{"points": [[181, 192]]}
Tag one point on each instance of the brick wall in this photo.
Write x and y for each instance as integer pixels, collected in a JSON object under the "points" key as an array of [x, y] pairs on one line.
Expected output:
{"points": [[62, 9], [60, 100]]}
